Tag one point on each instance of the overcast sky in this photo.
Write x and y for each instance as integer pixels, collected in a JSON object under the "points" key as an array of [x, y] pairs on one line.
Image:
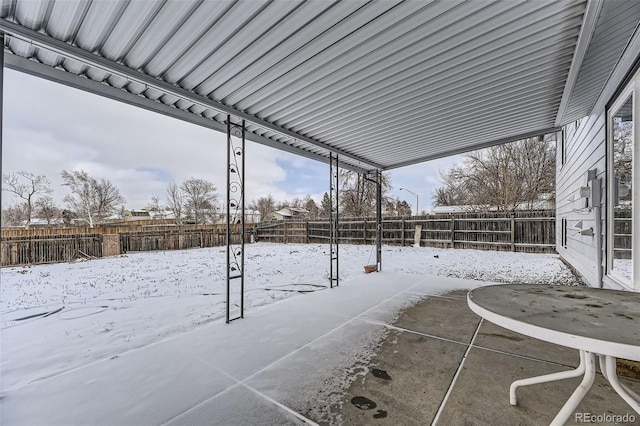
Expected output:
{"points": [[49, 128]]}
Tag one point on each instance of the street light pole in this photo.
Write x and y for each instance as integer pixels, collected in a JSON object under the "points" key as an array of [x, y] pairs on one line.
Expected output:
{"points": [[410, 191]]}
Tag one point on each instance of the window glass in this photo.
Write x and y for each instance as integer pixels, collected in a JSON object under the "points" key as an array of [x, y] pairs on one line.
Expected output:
{"points": [[622, 191]]}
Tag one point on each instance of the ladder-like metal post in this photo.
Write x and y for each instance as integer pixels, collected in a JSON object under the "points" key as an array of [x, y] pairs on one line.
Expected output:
{"points": [[235, 215], [334, 233], [379, 219]]}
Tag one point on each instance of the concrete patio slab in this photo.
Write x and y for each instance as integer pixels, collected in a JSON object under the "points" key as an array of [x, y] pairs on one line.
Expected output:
{"points": [[237, 406], [495, 337], [480, 395], [448, 317], [407, 380], [323, 358]]}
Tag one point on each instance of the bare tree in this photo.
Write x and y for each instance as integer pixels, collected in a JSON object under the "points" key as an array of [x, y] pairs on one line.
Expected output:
{"points": [[67, 216], [28, 187], [108, 198], [46, 209], [175, 201], [358, 195], [14, 215], [90, 199], [403, 208], [155, 206], [200, 199], [265, 206], [310, 205], [507, 176]]}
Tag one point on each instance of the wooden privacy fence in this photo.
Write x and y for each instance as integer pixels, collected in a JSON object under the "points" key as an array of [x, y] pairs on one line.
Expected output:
{"points": [[49, 248], [178, 239], [522, 231], [622, 233]]}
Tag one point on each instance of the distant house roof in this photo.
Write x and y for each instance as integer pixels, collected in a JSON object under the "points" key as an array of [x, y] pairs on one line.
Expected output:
{"points": [[284, 212]]}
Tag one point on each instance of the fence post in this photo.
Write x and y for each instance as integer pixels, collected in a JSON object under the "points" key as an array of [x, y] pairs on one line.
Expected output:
{"points": [[32, 250], [285, 231], [306, 229], [402, 233], [365, 231], [453, 232], [513, 233]]}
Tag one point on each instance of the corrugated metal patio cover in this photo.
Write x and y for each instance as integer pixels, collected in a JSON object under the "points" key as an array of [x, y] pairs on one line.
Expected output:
{"points": [[382, 83]]}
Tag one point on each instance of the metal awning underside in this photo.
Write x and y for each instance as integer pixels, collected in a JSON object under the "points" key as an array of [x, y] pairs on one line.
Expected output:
{"points": [[381, 83]]}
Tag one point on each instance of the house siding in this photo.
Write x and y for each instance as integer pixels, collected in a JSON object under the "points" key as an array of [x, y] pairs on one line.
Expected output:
{"points": [[585, 149]]}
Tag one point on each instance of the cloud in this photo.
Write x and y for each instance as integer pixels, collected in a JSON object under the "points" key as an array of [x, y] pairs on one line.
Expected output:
{"points": [[50, 128]]}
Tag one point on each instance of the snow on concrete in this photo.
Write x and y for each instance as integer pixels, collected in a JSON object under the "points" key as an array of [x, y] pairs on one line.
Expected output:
{"points": [[61, 321]]}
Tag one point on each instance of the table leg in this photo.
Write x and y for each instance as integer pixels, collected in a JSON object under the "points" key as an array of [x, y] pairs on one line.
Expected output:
{"points": [[546, 378], [577, 396], [608, 367]]}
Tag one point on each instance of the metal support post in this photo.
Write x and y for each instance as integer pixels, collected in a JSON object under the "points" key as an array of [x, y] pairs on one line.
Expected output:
{"points": [[235, 217], [379, 219], [378, 182], [1, 102], [334, 234]]}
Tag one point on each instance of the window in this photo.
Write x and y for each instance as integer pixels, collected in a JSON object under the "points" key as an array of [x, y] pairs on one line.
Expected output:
{"points": [[563, 147], [564, 232], [622, 200]]}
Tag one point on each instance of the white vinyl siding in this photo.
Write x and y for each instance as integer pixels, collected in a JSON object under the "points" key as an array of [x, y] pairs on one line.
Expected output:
{"points": [[585, 150]]}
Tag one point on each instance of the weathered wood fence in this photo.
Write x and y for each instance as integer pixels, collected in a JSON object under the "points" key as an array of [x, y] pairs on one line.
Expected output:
{"points": [[178, 239], [622, 233], [50, 248], [43, 246], [522, 231]]}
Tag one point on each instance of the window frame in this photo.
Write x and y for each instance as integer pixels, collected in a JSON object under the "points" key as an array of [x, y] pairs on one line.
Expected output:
{"points": [[632, 89]]}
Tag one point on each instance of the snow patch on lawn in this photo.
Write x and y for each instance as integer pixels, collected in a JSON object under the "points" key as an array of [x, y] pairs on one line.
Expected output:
{"points": [[60, 317]]}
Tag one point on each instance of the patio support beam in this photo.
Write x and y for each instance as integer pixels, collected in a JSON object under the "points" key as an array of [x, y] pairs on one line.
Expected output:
{"points": [[235, 216], [334, 233]]}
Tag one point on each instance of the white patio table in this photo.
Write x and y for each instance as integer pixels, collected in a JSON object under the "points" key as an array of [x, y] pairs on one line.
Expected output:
{"points": [[597, 322]]}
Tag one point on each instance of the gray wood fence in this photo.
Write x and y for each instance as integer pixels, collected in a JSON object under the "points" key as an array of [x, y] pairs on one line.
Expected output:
{"points": [[49, 248], [522, 231]]}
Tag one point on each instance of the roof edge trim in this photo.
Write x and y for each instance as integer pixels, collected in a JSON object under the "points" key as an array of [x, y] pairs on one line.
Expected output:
{"points": [[630, 55], [591, 15]]}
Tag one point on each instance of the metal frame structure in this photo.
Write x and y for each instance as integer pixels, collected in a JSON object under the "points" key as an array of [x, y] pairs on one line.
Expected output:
{"points": [[208, 61], [1, 101], [378, 182], [201, 61], [379, 219], [334, 232], [235, 200]]}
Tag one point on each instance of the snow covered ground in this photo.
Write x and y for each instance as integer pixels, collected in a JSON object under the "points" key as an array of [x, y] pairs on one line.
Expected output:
{"points": [[59, 318]]}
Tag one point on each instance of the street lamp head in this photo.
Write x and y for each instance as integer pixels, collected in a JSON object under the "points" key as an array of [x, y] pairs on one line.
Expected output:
{"points": [[416, 195]]}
